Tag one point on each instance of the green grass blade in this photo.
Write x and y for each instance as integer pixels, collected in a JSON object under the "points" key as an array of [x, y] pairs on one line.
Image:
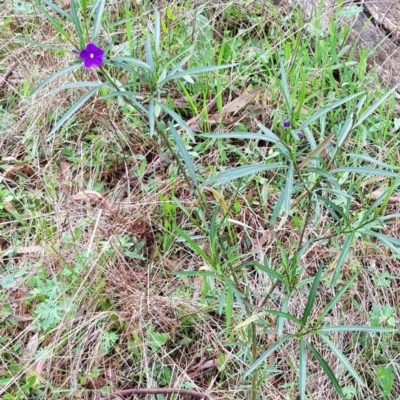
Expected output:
{"points": [[58, 10], [326, 368], [55, 76], [344, 361], [58, 25], [310, 138], [371, 160], [184, 153], [311, 296], [149, 54], [97, 19], [288, 189], [71, 111], [77, 23], [389, 241], [285, 87], [302, 369], [194, 71], [157, 31], [338, 296], [280, 323], [152, 116], [369, 171], [344, 132], [327, 109], [265, 355], [194, 246], [316, 151], [374, 106], [357, 328], [270, 272], [76, 85], [238, 135], [178, 120], [240, 172], [342, 256], [131, 61], [284, 315]]}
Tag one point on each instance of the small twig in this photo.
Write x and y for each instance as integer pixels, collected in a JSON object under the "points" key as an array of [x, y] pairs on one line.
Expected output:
{"points": [[127, 392], [7, 74]]}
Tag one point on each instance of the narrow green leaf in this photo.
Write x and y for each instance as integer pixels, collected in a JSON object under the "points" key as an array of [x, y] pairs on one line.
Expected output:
{"points": [[374, 106], [130, 100], [283, 315], [302, 369], [195, 71], [76, 85], [327, 109], [184, 153], [131, 61], [58, 10], [326, 368], [97, 19], [149, 54], [310, 138], [240, 172], [71, 111], [311, 296], [338, 296], [180, 64], [341, 357], [280, 323], [193, 273], [41, 45], [285, 86], [369, 171], [265, 355], [270, 272], [288, 189], [342, 256], [178, 120], [55, 76], [238, 135], [58, 25], [357, 328], [316, 151], [275, 139], [152, 116], [194, 246], [157, 31], [77, 23], [391, 242], [372, 160], [346, 128]]}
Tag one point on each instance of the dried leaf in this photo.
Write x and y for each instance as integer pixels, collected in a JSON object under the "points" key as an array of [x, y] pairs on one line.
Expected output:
{"points": [[379, 192], [240, 102], [64, 176], [18, 169], [90, 195], [373, 179], [32, 346], [31, 250]]}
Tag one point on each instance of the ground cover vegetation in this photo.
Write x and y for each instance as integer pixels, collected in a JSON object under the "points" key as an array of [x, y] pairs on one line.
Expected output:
{"points": [[197, 200]]}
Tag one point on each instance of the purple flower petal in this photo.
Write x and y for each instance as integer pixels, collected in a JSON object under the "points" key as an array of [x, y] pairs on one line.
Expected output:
{"points": [[92, 56], [286, 123]]}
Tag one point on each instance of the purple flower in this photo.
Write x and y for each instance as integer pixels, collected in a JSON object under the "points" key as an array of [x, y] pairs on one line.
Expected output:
{"points": [[92, 56], [286, 123]]}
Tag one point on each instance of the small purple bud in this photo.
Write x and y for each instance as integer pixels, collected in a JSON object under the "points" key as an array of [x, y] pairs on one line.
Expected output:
{"points": [[300, 133], [286, 123]]}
